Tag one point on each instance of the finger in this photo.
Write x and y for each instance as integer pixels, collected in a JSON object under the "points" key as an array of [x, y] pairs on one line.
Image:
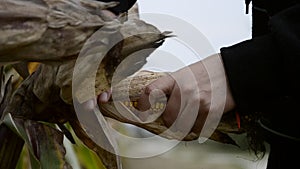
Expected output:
{"points": [[204, 108], [144, 102], [159, 88], [164, 84], [202, 117], [104, 97], [173, 107]]}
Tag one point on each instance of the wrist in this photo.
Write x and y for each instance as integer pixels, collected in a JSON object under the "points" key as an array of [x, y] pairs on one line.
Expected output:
{"points": [[218, 81]]}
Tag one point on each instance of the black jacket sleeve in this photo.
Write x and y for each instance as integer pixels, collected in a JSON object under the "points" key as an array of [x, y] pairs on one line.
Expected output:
{"points": [[123, 6], [264, 72]]}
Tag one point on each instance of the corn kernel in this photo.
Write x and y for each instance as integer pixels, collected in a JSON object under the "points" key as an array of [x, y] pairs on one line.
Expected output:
{"points": [[135, 104], [162, 106], [157, 106], [126, 104]]}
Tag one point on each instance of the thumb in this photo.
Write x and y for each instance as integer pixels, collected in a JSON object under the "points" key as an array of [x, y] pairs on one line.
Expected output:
{"points": [[159, 88], [104, 97]]}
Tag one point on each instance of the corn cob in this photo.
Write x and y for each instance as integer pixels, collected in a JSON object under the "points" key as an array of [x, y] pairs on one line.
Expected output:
{"points": [[126, 94]]}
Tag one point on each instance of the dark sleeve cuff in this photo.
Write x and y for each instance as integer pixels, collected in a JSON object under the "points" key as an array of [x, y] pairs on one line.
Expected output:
{"points": [[253, 68]]}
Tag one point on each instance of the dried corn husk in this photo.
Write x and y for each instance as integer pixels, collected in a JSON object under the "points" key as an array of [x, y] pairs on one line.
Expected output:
{"points": [[54, 31], [47, 30]]}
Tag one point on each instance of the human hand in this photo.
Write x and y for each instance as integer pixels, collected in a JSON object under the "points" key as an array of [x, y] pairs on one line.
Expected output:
{"points": [[200, 87]]}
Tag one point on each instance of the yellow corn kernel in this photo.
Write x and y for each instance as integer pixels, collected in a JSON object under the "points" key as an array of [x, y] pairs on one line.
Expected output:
{"points": [[135, 104], [126, 104], [157, 106], [161, 106]]}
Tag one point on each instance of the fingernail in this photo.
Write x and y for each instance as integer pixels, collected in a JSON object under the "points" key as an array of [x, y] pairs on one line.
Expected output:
{"points": [[103, 97]]}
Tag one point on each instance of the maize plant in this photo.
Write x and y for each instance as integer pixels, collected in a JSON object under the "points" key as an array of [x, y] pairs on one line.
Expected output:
{"points": [[52, 34]]}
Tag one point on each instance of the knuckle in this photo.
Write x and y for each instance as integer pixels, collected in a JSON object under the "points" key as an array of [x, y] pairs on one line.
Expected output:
{"points": [[149, 88], [204, 96]]}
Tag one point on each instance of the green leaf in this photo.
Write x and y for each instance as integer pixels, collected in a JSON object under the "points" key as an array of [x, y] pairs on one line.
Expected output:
{"points": [[45, 143], [88, 159], [24, 160]]}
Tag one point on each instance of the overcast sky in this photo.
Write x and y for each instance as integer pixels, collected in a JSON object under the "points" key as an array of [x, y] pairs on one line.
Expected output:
{"points": [[222, 22]]}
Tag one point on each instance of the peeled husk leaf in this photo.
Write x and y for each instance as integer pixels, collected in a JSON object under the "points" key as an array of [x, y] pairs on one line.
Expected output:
{"points": [[132, 36], [46, 95]]}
